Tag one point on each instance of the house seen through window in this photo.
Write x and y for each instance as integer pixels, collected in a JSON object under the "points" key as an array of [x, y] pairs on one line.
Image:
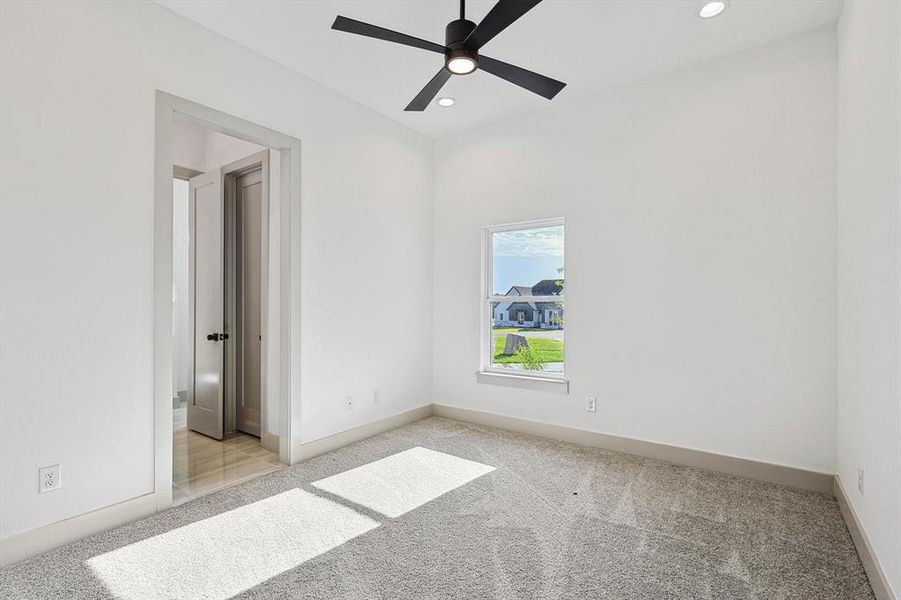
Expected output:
{"points": [[523, 299]]}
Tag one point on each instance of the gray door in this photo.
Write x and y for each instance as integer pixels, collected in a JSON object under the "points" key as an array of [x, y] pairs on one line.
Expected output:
{"points": [[249, 200], [206, 295]]}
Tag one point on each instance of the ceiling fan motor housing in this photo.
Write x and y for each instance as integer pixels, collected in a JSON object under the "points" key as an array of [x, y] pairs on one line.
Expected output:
{"points": [[455, 34]]}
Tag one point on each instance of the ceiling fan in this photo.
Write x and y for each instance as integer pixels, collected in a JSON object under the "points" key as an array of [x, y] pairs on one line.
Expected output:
{"points": [[462, 41]]}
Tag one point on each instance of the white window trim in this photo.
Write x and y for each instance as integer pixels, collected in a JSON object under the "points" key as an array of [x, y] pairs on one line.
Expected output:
{"points": [[540, 379]]}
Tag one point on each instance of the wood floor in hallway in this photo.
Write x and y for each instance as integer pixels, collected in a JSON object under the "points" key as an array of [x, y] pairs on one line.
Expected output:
{"points": [[201, 465]]}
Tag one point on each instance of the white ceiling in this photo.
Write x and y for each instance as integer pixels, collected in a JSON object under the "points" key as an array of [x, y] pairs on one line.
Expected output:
{"points": [[589, 44]]}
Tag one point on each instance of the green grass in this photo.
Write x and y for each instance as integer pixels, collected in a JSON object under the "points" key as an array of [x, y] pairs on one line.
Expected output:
{"points": [[551, 350]]}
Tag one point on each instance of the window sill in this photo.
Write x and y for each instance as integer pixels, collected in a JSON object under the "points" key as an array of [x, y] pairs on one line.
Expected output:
{"points": [[539, 384]]}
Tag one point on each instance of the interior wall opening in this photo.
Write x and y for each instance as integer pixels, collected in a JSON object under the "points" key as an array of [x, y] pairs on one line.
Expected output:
{"points": [[225, 421]]}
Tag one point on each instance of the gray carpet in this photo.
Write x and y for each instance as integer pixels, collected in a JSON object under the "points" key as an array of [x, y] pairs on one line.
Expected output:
{"points": [[521, 517]]}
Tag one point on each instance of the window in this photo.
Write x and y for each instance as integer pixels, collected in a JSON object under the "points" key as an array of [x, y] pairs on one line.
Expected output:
{"points": [[522, 298]]}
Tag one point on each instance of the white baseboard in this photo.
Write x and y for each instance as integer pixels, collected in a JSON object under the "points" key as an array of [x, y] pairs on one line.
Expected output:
{"points": [[47, 537], [742, 467], [875, 573], [269, 441], [303, 451]]}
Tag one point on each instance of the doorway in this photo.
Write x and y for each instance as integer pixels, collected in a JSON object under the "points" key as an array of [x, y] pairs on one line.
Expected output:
{"points": [[220, 267], [224, 386]]}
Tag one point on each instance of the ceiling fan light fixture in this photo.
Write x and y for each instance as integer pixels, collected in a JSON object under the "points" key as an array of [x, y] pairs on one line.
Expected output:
{"points": [[461, 65], [712, 8]]}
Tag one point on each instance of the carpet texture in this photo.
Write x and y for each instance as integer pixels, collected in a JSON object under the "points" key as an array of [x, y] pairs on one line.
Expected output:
{"points": [[518, 517]]}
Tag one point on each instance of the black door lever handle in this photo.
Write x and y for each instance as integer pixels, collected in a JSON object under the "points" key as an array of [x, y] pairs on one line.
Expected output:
{"points": [[213, 337]]}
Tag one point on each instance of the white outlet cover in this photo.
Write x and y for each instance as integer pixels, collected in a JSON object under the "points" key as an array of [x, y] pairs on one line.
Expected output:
{"points": [[349, 402], [591, 404], [375, 396], [49, 479]]}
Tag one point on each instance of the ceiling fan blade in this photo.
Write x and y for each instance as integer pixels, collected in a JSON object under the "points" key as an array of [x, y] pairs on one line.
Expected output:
{"points": [[541, 85], [431, 89], [504, 13], [380, 33]]}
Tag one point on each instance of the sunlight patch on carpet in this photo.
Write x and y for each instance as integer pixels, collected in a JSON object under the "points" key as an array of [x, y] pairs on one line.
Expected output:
{"points": [[403, 481], [231, 552]]}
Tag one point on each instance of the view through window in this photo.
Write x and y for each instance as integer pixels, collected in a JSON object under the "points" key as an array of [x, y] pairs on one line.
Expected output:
{"points": [[524, 300]]}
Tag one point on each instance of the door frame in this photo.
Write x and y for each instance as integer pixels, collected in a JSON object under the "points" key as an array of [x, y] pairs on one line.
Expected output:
{"points": [[284, 305]]}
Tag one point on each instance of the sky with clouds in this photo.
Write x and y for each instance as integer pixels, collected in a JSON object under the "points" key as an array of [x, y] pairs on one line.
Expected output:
{"points": [[527, 256]]}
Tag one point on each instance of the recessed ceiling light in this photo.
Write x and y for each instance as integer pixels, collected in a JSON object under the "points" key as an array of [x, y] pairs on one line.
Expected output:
{"points": [[446, 101], [712, 8]]}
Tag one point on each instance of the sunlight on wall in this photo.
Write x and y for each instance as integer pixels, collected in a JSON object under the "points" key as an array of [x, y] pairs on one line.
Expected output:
{"points": [[401, 482], [231, 552]]}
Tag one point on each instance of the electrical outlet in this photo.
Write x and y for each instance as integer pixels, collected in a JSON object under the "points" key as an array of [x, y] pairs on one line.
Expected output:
{"points": [[375, 396], [591, 404], [49, 479], [860, 480], [349, 401]]}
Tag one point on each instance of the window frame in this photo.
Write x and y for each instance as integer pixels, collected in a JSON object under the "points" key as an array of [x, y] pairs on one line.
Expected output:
{"points": [[487, 298]]}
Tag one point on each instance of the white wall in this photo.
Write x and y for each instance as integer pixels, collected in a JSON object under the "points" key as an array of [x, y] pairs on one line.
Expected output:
{"points": [[203, 149], [700, 254], [76, 230], [181, 344], [222, 149], [189, 148], [869, 271]]}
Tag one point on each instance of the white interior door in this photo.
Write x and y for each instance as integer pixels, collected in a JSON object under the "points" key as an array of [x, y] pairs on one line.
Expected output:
{"points": [[206, 276]]}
